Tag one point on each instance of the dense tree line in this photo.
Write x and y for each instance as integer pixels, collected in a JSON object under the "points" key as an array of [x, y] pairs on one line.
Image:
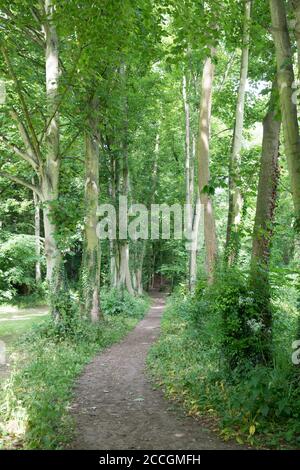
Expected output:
{"points": [[161, 102]]}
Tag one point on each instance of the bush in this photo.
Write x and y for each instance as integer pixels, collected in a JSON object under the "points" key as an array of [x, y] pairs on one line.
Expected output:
{"points": [[116, 302], [239, 318]]}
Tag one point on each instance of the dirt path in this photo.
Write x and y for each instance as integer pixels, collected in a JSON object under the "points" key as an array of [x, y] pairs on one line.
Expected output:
{"points": [[116, 406]]}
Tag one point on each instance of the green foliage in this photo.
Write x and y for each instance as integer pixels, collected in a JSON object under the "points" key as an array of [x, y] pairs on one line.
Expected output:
{"points": [[17, 267], [237, 310], [34, 401], [116, 302]]}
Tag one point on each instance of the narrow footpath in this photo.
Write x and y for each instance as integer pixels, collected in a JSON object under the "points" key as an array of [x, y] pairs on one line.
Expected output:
{"points": [[116, 406]]}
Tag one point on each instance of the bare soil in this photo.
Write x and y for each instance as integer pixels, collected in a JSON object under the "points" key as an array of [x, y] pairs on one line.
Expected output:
{"points": [[117, 407]]}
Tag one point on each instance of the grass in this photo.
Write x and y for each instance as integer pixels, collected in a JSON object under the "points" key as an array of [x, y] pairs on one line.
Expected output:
{"points": [[35, 401], [260, 407], [14, 321]]}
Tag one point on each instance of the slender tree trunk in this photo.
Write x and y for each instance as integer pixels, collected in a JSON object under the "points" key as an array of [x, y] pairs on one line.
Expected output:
{"points": [[194, 250], [235, 194], [263, 227], [125, 275], [37, 234], [188, 195], [112, 243], [189, 174], [92, 253], [203, 167], [143, 243]]}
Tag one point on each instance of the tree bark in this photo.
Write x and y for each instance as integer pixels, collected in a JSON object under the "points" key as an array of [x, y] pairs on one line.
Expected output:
{"points": [[91, 261], [235, 195], [50, 171], [263, 227], [203, 167], [48, 168], [194, 250], [296, 8], [288, 104], [37, 234], [189, 176]]}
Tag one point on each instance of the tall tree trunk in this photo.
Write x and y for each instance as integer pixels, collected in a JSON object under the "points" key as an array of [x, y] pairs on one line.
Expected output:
{"points": [[37, 235], [285, 74], [203, 167], [235, 195], [143, 243], [263, 227], [194, 248], [189, 174], [92, 255], [296, 8], [124, 265], [50, 171], [47, 169], [112, 243], [286, 79]]}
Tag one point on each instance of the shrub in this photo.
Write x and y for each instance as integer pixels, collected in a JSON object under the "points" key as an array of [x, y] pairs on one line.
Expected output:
{"points": [[258, 404]]}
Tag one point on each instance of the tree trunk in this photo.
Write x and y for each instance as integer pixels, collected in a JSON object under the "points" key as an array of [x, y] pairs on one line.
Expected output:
{"points": [[92, 254], [288, 103], [194, 249], [235, 195], [296, 8], [50, 171], [124, 190], [286, 79], [37, 234], [263, 227], [203, 167], [189, 175]]}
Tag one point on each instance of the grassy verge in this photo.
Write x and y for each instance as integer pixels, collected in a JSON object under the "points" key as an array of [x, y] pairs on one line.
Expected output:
{"points": [[259, 407], [35, 400]]}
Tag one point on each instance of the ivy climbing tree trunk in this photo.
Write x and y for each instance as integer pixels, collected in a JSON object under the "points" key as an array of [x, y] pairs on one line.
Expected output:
{"points": [[263, 227], [91, 261], [235, 195], [203, 167], [288, 103]]}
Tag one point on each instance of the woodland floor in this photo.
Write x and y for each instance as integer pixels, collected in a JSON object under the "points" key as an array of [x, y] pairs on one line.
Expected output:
{"points": [[117, 407]]}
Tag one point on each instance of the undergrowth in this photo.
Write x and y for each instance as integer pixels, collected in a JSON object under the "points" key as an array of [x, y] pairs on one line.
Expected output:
{"points": [[35, 400], [254, 404]]}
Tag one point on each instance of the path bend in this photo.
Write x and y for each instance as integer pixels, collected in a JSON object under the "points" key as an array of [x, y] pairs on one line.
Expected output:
{"points": [[116, 407]]}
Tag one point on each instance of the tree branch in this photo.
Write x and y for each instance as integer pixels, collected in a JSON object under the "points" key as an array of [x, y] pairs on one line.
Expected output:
{"points": [[22, 182], [25, 156], [23, 102], [26, 139]]}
